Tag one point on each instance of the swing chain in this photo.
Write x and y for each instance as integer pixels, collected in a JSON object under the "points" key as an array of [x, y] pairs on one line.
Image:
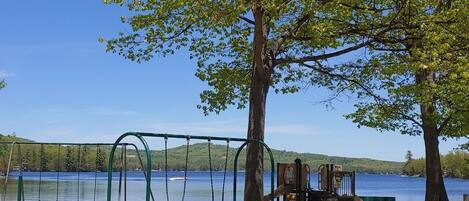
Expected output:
{"points": [[225, 169], [96, 171], [166, 165], [41, 165], [78, 169], [58, 172], [185, 167], [210, 167]]}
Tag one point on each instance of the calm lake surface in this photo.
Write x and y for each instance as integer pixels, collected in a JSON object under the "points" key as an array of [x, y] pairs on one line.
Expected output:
{"points": [[198, 186]]}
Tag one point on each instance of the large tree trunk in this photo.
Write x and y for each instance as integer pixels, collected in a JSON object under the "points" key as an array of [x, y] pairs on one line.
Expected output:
{"points": [[253, 190], [435, 186], [436, 190]]}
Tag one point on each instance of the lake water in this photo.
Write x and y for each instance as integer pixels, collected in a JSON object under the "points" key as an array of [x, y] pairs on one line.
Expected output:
{"points": [[198, 186]]}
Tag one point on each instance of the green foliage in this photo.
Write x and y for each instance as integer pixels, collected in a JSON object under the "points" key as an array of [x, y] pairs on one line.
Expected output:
{"points": [[70, 160], [455, 164], [408, 155], [299, 35], [420, 61], [33, 158], [100, 160], [12, 137], [414, 168]]}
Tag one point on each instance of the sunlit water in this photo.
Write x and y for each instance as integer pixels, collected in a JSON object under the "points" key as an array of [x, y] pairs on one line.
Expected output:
{"points": [[199, 187]]}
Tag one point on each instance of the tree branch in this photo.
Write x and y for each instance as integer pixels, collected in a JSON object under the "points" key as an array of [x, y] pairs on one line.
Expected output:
{"points": [[320, 57], [246, 19], [179, 33], [364, 8], [379, 100], [325, 71], [276, 47], [445, 123]]}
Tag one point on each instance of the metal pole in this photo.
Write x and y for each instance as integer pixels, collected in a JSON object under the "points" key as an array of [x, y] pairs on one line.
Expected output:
{"points": [[120, 175], [78, 172], [148, 169], [353, 183], [5, 185], [319, 177], [224, 171], [20, 160], [298, 180], [20, 193], [96, 172], [143, 167], [211, 169], [58, 173], [59, 143], [166, 167], [272, 167], [41, 161], [125, 172], [20, 179], [330, 178]]}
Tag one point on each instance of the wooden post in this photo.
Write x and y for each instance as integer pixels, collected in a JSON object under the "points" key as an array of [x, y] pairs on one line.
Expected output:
{"points": [[466, 197]]}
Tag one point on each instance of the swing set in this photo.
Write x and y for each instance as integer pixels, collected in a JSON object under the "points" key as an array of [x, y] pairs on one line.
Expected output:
{"points": [[146, 167], [293, 179], [21, 163], [148, 193]]}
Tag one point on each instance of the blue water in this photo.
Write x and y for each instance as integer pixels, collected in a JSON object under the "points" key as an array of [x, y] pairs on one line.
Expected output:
{"points": [[199, 187]]}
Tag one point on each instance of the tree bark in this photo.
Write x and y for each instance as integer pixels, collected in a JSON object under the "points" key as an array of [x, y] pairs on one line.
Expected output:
{"points": [[260, 77], [436, 190], [435, 187]]}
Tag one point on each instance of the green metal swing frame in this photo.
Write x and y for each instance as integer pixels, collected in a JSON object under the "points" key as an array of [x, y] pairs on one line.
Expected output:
{"points": [[141, 137], [20, 180]]}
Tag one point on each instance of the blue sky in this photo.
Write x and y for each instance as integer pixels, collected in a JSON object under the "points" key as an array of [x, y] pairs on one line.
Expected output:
{"points": [[63, 86]]}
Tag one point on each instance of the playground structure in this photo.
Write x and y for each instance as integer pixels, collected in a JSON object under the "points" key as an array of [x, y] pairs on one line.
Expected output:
{"points": [[17, 162], [148, 193], [146, 168], [294, 183], [293, 179]]}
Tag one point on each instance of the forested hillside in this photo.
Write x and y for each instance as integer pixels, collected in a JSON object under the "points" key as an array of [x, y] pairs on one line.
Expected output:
{"points": [[91, 158], [454, 164]]}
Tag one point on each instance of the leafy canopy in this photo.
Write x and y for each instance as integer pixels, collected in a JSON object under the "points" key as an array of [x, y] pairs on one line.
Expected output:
{"points": [[425, 38], [300, 36]]}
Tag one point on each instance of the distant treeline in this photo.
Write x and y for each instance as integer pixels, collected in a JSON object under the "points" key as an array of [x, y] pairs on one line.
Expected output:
{"points": [[53, 158], [454, 164], [92, 159]]}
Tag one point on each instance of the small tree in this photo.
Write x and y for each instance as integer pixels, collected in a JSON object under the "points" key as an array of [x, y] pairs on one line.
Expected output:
{"points": [[69, 160], [245, 48], [3, 157], [408, 155], [83, 159], [33, 160], [44, 160], [100, 160]]}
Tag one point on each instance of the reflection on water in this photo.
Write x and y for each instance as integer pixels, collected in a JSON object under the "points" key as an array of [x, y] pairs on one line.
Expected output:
{"points": [[90, 188]]}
